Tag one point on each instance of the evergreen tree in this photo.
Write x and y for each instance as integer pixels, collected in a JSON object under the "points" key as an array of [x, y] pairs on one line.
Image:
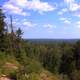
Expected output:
{"points": [[19, 33], [77, 55], [2, 30]]}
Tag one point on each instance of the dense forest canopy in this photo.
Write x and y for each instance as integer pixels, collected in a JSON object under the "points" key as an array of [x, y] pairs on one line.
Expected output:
{"points": [[31, 59]]}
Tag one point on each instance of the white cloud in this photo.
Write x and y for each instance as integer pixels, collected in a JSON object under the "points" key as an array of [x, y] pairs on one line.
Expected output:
{"points": [[67, 22], [29, 24], [17, 6], [63, 11], [21, 3], [10, 8], [50, 31], [72, 5], [60, 13], [77, 14], [62, 18], [40, 6], [49, 26], [69, 1], [24, 24], [78, 24]]}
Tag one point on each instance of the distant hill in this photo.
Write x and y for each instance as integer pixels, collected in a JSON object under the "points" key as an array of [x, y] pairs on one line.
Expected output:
{"points": [[52, 40]]}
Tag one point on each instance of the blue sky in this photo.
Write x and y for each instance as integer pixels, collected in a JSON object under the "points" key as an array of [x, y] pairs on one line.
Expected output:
{"points": [[44, 18]]}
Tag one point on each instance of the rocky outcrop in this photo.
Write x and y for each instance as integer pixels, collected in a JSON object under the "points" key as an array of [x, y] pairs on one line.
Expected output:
{"points": [[4, 77]]}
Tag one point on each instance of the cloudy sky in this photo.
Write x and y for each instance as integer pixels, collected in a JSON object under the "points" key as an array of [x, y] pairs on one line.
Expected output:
{"points": [[44, 18]]}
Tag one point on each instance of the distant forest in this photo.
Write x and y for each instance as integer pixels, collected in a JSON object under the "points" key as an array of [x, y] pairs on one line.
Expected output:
{"points": [[46, 60]]}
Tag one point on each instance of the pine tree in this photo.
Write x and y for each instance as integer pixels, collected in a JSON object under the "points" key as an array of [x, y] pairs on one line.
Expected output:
{"points": [[19, 33], [77, 55], [2, 30]]}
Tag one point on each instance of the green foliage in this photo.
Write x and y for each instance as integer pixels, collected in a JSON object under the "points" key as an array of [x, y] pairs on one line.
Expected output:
{"points": [[33, 66], [77, 55], [19, 33], [4, 61], [2, 31]]}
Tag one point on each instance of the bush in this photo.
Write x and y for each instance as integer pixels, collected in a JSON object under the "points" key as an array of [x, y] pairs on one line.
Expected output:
{"points": [[33, 66]]}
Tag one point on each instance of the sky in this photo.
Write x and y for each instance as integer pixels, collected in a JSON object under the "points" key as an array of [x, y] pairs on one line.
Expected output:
{"points": [[48, 19]]}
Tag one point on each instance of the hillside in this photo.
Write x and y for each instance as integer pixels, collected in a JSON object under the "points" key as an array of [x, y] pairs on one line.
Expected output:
{"points": [[10, 69]]}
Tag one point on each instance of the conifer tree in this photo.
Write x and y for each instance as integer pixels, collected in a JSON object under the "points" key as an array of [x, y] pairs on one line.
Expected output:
{"points": [[2, 30]]}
